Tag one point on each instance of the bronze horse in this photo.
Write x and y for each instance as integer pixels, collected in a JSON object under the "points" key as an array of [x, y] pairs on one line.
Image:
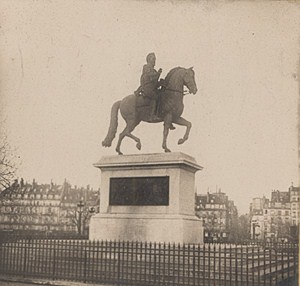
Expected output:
{"points": [[135, 109]]}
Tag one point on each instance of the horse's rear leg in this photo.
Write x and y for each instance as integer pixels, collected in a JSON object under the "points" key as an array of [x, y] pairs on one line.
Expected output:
{"points": [[127, 132], [188, 124], [167, 125]]}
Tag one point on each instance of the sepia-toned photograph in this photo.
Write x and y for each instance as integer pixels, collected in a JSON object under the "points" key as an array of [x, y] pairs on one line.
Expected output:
{"points": [[149, 142]]}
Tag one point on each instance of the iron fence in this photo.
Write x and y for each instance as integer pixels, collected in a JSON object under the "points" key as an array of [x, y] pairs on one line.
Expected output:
{"points": [[139, 263]]}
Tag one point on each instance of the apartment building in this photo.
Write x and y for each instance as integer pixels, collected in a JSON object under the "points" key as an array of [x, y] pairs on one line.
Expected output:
{"points": [[218, 214], [277, 218], [46, 207]]}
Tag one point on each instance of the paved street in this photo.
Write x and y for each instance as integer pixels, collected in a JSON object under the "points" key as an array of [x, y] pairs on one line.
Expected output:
{"points": [[51, 283], [2, 283], [16, 281]]}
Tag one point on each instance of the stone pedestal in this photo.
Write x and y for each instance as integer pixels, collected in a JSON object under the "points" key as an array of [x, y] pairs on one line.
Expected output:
{"points": [[147, 197]]}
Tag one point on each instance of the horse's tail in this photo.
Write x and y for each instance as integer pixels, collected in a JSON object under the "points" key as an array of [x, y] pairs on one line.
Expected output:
{"points": [[113, 125]]}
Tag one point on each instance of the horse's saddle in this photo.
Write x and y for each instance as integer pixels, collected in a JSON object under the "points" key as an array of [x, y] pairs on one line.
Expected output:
{"points": [[143, 101]]}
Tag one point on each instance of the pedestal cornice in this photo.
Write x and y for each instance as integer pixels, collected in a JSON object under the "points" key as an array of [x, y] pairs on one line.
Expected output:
{"points": [[154, 160]]}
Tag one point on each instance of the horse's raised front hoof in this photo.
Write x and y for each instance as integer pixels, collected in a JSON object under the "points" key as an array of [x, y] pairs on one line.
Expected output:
{"points": [[181, 141], [167, 150], [139, 145]]}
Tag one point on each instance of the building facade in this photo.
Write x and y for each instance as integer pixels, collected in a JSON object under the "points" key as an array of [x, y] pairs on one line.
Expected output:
{"points": [[218, 214], [257, 216], [277, 218], [47, 207]]}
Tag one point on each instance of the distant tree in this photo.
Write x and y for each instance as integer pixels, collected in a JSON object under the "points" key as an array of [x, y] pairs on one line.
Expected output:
{"points": [[8, 168], [80, 217], [282, 229], [244, 226], [239, 230]]}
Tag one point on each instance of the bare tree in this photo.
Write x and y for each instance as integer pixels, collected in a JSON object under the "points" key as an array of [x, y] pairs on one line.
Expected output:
{"points": [[7, 168], [80, 217]]}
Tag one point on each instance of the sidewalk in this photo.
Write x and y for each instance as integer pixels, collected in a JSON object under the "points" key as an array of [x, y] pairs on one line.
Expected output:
{"points": [[6, 280]]}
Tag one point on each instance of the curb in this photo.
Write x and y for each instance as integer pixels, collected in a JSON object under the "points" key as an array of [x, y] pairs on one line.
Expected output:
{"points": [[46, 282]]}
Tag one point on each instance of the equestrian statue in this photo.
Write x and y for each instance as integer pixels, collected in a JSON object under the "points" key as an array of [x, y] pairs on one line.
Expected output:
{"points": [[154, 101]]}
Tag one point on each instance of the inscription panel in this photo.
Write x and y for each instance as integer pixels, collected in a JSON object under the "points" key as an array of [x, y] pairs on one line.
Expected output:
{"points": [[139, 191]]}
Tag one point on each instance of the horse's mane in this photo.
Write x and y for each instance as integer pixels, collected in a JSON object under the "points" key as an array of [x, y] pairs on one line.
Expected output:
{"points": [[170, 73]]}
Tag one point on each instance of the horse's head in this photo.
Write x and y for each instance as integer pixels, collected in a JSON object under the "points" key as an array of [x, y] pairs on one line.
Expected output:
{"points": [[189, 80]]}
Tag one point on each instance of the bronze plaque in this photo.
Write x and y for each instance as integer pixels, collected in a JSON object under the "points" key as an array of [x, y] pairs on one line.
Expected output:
{"points": [[139, 191]]}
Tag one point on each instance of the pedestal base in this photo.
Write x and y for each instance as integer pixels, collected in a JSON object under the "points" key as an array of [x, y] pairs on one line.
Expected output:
{"points": [[146, 227], [148, 198]]}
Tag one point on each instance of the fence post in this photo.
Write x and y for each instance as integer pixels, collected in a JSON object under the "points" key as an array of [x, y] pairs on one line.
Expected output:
{"points": [[145, 264], [295, 262], [265, 266], [236, 264], [194, 265], [270, 262], [253, 274], [54, 257], [154, 263], [220, 263], [208, 262], [258, 264], [85, 263], [25, 257], [241, 262], [118, 262], [214, 263], [225, 264]]}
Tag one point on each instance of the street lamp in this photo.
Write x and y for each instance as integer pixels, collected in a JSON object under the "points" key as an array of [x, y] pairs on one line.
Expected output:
{"points": [[80, 206]]}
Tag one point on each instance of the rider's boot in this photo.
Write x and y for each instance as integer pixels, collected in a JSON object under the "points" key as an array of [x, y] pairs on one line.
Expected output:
{"points": [[153, 115]]}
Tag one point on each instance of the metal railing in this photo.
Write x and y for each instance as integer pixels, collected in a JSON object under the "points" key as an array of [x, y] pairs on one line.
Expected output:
{"points": [[139, 263]]}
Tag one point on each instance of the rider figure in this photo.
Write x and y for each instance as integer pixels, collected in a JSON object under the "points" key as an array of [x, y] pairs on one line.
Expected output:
{"points": [[149, 84]]}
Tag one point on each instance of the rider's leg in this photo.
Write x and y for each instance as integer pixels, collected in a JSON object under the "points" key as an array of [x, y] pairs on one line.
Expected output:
{"points": [[153, 113]]}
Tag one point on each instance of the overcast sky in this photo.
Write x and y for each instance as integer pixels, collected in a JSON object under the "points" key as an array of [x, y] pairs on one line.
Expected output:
{"points": [[64, 63]]}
